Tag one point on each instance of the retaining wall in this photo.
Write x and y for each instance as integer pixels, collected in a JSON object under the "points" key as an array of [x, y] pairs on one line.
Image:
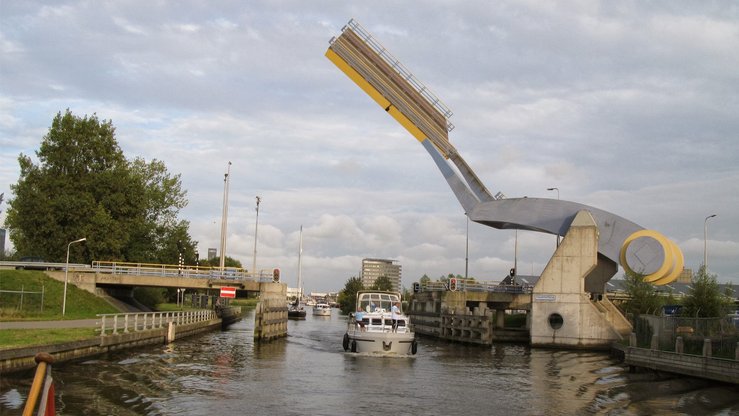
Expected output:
{"points": [[17, 359]]}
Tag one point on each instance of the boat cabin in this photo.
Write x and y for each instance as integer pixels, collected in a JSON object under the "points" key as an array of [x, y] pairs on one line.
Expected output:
{"points": [[377, 302]]}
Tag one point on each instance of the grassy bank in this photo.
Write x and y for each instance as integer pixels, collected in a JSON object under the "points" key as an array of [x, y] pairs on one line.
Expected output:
{"points": [[14, 338], [43, 298], [42, 301]]}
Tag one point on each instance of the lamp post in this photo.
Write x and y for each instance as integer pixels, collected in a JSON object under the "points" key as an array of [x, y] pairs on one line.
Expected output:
{"points": [[256, 229], [705, 243], [224, 217], [66, 271], [555, 189]]}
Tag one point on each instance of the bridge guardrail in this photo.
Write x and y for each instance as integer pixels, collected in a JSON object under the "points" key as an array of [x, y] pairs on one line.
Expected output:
{"points": [[113, 323], [173, 270], [477, 286]]}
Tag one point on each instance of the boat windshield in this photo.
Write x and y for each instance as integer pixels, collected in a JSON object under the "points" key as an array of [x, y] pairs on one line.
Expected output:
{"points": [[376, 302]]}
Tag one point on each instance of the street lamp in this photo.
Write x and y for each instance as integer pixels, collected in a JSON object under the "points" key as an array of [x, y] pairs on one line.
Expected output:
{"points": [[555, 189], [224, 217], [705, 243], [256, 229], [66, 271]]}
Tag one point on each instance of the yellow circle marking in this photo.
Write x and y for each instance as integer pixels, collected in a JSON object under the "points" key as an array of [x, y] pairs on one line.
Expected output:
{"points": [[677, 267], [673, 262]]}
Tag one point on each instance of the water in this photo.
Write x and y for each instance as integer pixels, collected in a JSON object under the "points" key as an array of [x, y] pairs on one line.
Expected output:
{"points": [[308, 373]]}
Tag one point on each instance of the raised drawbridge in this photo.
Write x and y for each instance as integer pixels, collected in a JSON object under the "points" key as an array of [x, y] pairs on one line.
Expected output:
{"points": [[620, 241]]}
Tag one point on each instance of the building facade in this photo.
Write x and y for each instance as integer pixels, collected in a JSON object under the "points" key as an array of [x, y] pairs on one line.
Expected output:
{"points": [[374, 268]]}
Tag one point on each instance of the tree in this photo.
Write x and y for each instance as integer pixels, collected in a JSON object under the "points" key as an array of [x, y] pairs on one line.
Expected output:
{"points": [[83, 186], [216, 262], [347, 298], [643, 297], [382, 283], [705, 300]]}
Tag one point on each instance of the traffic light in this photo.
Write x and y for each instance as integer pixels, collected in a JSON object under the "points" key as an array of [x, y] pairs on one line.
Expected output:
{"points": [[276, 275], [416, 287], [453, 284], [513, 271]]}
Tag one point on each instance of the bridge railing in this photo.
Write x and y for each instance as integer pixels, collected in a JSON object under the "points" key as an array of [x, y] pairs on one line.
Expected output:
{"points": [[115, 323], [468, 285], [174, 270]]}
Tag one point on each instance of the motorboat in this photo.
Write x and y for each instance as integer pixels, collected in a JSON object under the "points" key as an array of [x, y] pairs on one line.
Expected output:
{"points": [[322, 309], [372, 329]]}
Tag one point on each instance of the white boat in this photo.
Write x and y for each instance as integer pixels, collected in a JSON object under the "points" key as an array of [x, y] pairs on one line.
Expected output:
{"points": [[322, 309], [371, 329]]}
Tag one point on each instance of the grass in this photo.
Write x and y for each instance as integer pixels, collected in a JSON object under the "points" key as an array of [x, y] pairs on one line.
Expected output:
{"points": [[80, 303], [13, 338]]}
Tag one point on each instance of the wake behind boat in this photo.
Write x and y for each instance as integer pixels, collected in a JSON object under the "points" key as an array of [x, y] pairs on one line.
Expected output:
{"points": [[377, 328]]}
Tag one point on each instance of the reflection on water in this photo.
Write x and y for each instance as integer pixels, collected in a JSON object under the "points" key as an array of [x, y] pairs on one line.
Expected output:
{"points": [[309, 373]]}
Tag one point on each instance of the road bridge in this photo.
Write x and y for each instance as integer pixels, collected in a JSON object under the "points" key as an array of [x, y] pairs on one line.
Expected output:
{"points": [[105, 277], [105, 274]]}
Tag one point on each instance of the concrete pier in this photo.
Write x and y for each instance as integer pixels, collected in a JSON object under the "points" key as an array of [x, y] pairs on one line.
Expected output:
{"points": [[270, 317]]}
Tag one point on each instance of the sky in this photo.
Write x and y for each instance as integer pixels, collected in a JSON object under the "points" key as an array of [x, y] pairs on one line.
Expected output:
{"points": [[631, 107]]}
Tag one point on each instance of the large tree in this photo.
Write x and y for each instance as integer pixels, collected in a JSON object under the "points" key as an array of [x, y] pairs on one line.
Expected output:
{"points": [[83, 186], [382, 283], [347, 298]]}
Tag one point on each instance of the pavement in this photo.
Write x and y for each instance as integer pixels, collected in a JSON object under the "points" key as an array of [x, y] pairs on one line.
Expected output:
{"points": [[72, 323]]}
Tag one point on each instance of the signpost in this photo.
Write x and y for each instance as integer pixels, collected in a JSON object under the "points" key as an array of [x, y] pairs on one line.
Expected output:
{"points": [[228, 292]]}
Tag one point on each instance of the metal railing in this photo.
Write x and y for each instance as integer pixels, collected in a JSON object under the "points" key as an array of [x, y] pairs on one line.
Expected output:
{"points": [[114, 323], [477, 286], [400, 69], [173, 270]]}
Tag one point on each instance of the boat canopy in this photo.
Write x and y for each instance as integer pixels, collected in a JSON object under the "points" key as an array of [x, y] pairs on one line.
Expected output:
{"points": [[374, 301]]}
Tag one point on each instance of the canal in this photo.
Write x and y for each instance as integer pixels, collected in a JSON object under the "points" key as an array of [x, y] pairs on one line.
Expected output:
{"points": [[308, 373]]}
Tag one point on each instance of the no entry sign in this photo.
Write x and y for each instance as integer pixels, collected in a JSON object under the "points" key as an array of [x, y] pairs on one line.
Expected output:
{"points": [[228, 292]]}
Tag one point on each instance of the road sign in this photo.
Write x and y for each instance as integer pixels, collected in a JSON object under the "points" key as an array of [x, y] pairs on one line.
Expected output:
{"points": [[228, 292]]}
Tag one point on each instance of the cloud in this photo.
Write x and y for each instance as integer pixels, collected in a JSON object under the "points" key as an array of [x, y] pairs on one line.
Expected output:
{"points": [[630, 108]]}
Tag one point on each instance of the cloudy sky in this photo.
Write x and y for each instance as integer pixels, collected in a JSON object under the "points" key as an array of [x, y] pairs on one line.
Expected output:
{"points": [[631, 107]]}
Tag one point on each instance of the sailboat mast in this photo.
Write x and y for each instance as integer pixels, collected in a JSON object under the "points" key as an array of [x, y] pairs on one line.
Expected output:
{"points": [[300, 266]]}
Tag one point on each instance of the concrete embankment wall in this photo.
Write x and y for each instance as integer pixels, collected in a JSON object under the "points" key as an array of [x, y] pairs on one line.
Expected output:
{"points": [[17, 359]]}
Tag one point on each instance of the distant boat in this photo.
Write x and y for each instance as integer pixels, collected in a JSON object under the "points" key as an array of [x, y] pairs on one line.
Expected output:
{"points": [[322, 309], [295, 310]]}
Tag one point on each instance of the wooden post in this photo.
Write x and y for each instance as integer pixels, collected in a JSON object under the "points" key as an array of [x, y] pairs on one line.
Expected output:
{"points": [[632, 339], [679, 346], [171, 332]]}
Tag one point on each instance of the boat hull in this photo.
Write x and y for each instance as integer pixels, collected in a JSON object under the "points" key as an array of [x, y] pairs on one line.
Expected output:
{"points": [[380, 343], [296, 314]]}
